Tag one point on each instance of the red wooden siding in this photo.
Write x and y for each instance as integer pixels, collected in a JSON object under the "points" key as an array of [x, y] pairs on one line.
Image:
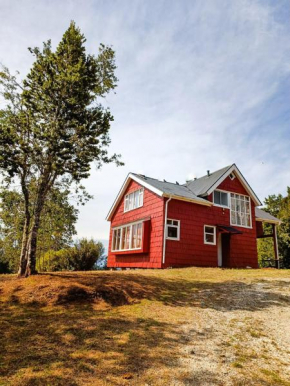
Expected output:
{"points": [[153, 208], [191, 250]]}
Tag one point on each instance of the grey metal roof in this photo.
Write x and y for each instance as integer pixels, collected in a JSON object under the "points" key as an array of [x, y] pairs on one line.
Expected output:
{"points": [[201, 185], [170, 188], [265, 216]]}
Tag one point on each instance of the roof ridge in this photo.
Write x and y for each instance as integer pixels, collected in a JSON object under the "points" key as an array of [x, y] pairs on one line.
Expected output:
{"points": [[156, 179], [216, 171]]}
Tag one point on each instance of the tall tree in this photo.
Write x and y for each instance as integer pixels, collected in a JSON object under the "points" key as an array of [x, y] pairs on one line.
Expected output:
{"points": [[54, 126], [57, 225]]}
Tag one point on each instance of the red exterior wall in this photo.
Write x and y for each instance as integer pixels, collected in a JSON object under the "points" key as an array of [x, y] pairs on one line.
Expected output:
{"points": [[152, 208], [191, 250]]}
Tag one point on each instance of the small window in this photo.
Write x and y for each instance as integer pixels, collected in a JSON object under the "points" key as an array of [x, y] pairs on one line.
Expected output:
{"points": [[232, 176], [173, 229], [134, 200], [221, 198], [210, 234]]}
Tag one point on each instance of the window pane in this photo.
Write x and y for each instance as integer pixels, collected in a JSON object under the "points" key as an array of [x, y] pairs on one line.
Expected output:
{"points": [[139, 236], [141, 194], [224, 199], [217, 197], [127, 237], [123, 235], [172, 232], [209, 238], [169, 222], [209, 230], [118, 239], [134, 235], [174, 222], [136, 199], [248, 220], [131, 201], [233, 218], [126, 203]]}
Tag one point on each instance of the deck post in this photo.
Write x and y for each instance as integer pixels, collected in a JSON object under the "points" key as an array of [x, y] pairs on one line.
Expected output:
{"points": [[274, 226]]}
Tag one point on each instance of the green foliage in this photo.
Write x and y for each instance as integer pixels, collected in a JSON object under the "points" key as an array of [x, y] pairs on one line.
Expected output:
{"points": [[279, 207], [57, 225], [53, 126], [82, 256]]}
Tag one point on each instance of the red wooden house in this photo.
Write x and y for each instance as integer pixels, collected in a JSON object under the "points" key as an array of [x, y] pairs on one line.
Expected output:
{"points": [[210, 221]]}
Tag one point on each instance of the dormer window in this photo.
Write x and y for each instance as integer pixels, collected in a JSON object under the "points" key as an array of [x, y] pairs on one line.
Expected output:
{"points": [[134, 200], [221, 198]]}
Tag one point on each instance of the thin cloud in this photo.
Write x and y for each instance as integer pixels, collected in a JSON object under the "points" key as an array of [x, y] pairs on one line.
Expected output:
{"points": [[202, 84]]}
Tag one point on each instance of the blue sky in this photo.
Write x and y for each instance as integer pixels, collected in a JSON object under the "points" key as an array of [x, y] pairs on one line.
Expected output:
{"points": [[202, 84]]}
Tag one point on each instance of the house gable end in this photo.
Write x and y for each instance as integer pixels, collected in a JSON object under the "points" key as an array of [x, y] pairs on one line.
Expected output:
{"points": [[243, 182]]}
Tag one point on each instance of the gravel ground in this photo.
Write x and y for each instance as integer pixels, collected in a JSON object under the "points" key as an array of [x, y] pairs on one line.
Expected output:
{"points": [[240, 335]]}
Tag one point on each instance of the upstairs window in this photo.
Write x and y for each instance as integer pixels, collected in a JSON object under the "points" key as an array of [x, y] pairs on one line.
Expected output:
{"points": [[173, 229], [134, 200], [210, 234], [221, 198], [127, 237], [240, 210]]}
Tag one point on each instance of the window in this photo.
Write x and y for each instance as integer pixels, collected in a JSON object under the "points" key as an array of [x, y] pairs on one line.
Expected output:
{"points": [[127, 237], [134, 200], [173, 229], [232, 176], [221, 198], [210, 234], [240, 210]]}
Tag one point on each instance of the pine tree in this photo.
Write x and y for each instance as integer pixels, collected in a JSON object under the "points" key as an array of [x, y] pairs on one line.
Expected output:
{"points": [[53, 126]]}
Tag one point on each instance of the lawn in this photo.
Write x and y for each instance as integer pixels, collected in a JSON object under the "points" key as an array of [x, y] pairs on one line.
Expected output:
{"points": [[189, 326]]}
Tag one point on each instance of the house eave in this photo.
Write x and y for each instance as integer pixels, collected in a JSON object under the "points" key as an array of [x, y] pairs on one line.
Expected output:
{"points": [[268, 221], [241, 178], [193, 201]]}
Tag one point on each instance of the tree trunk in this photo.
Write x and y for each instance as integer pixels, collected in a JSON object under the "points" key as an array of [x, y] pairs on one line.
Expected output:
{"points": [[24, 247], [32, 243]]}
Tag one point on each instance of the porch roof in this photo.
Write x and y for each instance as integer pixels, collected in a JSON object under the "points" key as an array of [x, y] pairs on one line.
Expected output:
{"points": [[263, 216]]}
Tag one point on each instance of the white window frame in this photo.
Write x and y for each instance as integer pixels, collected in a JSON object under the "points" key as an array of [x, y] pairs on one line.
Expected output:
{"points": [[250, 209], [232, 176], [122, 227], [205, 233], [222, 191], [174, 226], [131, 196]]}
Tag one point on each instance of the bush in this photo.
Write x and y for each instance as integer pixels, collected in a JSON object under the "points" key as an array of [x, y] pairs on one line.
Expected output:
{"points": [[82, 256]]}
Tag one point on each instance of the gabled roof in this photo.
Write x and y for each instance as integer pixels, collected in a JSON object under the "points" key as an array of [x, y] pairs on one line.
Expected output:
{"points": [[205, 185], [201, 186], [263, 216], [161, 188], [192, 191]]}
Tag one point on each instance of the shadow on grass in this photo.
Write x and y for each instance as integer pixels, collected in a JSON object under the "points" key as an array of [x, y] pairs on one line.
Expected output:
{"points": [[71, 340], [80, 343], [120, 289]]}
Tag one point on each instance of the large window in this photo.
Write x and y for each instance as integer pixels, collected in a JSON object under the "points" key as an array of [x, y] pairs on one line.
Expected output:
{"points": [[221, 198], [127, 237], [173, 229], [240, 210], [210, 234], [134, 200]]}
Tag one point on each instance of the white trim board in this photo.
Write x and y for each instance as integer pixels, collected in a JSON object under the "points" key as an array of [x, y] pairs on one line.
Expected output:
{"points": [[241, 178]]}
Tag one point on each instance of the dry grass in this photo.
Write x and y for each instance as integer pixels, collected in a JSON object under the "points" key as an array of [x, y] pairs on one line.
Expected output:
{"points": [[175, 327]]}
